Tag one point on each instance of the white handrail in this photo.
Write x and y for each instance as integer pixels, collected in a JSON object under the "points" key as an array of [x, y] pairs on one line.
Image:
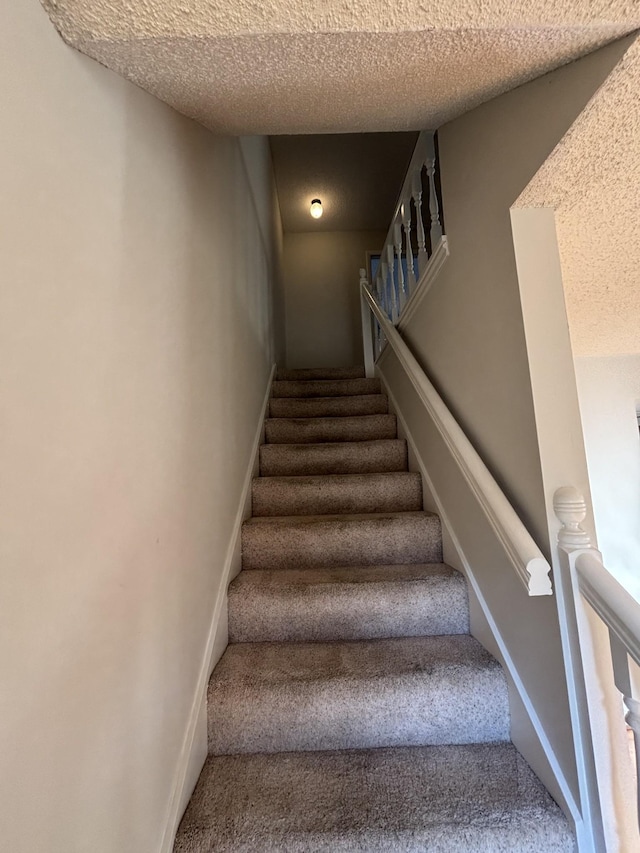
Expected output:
{"points": [[526, 558], [618, 610]]}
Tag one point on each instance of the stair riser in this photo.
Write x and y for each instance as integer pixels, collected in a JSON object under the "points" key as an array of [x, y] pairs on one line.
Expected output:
{"points": [[327, 495], [312, 373], [328, 612], [377, 541], [327, 407], [325, 388], [312, 430], [415, 709], [354, 458]]}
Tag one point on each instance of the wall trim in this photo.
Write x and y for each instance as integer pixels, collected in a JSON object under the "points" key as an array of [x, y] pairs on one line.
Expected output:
{"points": [[430, 274], [507, 660], [179, 792]]}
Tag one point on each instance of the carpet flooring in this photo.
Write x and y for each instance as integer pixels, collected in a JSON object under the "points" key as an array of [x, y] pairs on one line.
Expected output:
{"points": [[352, 710]]}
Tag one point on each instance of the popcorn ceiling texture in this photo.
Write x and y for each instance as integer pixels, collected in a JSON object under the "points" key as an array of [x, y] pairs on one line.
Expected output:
{"points": [[278, 67], [592, 180]]}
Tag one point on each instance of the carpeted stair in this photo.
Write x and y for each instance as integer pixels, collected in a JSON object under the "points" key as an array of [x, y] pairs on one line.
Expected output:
{"points": [[352, 710]]}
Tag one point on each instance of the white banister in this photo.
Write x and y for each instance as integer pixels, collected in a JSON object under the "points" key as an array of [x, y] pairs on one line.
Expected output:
{"points": [[526, 558], [617, 609], [395, 285]]}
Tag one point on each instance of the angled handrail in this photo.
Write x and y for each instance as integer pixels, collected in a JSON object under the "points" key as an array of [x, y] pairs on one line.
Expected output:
{"points": [[527, 559]]}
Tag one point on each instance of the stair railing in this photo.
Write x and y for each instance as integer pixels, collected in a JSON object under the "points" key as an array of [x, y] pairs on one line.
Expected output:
{"points": [[415, 240], [592, 584], [527, 559]]}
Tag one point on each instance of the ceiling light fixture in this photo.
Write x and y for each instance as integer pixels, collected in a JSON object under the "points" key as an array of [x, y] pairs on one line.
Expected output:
{"points": [[316, 208]]}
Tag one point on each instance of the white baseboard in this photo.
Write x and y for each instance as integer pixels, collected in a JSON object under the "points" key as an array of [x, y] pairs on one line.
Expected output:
{"points": [[563, 790], [186, 776]]}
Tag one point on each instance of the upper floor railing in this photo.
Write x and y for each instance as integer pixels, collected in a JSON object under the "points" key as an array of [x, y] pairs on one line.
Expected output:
{"points": [[415, 234]]}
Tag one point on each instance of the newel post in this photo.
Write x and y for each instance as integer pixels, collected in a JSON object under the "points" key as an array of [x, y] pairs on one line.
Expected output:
{"points": [[571, 510], [367, 338]]}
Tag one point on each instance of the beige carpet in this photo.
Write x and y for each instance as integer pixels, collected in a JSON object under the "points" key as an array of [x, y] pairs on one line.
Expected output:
{"points": [[352, 710]]}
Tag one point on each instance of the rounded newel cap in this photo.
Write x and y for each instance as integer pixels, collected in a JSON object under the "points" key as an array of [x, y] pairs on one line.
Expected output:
{"points": [[571, 509], [569, 499]]}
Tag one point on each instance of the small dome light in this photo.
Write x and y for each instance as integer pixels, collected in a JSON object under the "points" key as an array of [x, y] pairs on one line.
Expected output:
{"points": [[316, 208]]}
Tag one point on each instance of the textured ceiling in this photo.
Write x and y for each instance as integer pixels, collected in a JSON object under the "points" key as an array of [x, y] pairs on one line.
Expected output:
{"points": [[592, 180], [345, 172], [278, 67]]}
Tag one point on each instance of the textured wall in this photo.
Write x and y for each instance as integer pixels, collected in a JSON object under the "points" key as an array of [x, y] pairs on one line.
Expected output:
{"points": [[592, 180], [134, 352], [322, 299], [307, 67]]}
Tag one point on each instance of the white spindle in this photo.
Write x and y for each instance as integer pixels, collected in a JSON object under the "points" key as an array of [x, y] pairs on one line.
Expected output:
{"points": [[402, 292], [405, 215], [395, 283], [625, 673], [416, 192], [367, 338], [392, 284], [436, 227], [386, 296]]}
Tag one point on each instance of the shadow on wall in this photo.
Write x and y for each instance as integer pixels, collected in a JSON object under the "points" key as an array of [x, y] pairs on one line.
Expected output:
{"points": [[321, 282]]}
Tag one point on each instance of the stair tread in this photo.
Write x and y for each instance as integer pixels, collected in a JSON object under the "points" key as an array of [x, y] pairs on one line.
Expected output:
{"points": [[375, 455], [322, 479], [282, 696], [336, 518], [270, 664], [445, 799], [347, 603], [313, 373], [348, 428], [324, 387], [323, 407], [344, 575], [296, 541], [339, 493]]}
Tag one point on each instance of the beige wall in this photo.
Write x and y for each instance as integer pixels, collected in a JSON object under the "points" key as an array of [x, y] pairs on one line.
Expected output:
{"points": [[135, 349], [322, 298], [468, 333]]}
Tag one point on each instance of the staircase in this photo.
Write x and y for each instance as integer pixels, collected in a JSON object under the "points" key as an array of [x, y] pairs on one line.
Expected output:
{"points": [[352, 710]]}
